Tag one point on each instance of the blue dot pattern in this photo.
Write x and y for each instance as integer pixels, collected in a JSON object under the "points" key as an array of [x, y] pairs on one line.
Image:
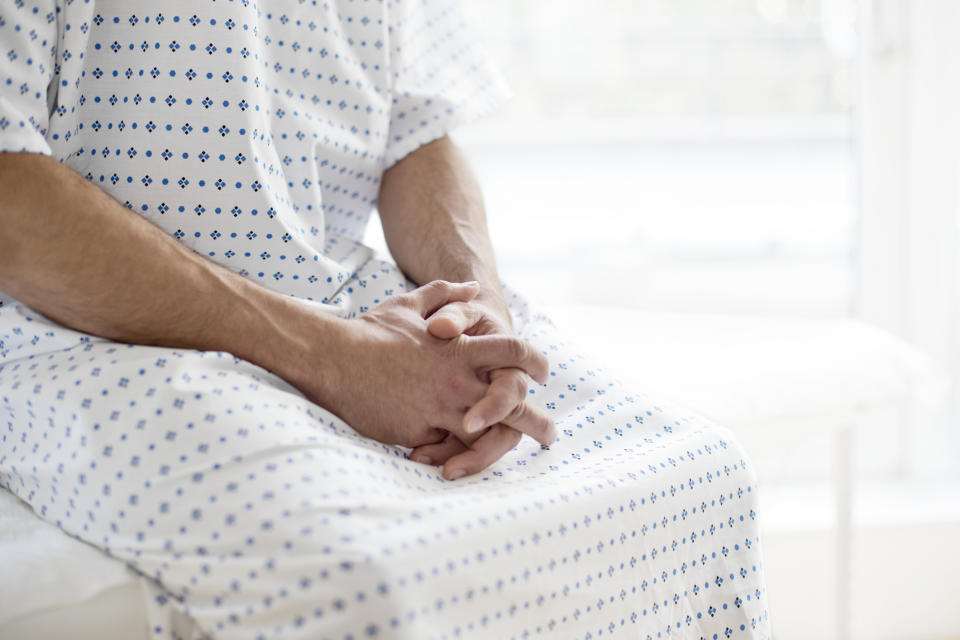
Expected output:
{"points": [[256, 134], [251, 512], [256, 514]]}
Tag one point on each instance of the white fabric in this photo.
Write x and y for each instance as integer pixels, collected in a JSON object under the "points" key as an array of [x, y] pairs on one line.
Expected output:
{"points": [[254, 133], [258, 514], [43, 568], [119, 612]]}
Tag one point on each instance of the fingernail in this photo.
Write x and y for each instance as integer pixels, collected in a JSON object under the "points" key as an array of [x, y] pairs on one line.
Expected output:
{"points": [[457, 473], [424, 460], [475, 424], [472, 283]]}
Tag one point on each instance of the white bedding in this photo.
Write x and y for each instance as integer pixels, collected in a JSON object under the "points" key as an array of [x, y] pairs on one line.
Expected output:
{"points": [[52, 583]]}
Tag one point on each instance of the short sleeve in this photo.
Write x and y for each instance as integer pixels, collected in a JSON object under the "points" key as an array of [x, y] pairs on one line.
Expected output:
{"points": [[441, 76], [28, 36]]}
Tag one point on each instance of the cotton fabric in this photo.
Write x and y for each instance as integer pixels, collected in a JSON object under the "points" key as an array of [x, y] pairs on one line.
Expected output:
{"points": [[257, 134]]}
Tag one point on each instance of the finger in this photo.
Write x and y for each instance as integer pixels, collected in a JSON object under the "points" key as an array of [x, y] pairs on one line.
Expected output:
{"points": [[452, 319], [504, 403], [439, 453], [500, 351], [533, 422], [492, 446], [507, 389], [433, 295], [425, 436]]}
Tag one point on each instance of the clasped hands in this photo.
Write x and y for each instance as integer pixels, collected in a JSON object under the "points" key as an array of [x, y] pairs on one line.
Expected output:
{"points": [[440, 370]]}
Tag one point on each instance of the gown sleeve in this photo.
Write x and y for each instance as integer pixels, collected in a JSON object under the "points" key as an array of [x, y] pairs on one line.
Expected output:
{"points": [[28, 39], [441, 77]]}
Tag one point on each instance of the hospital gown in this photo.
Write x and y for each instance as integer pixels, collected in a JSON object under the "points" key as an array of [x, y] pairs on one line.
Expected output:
{"points": [[256, 134]]}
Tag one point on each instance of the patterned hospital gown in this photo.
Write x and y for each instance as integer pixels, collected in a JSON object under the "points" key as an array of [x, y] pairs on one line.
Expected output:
{"points": [[256, 134]]}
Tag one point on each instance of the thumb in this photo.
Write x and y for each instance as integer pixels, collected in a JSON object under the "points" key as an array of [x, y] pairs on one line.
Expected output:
{"points": [[433, 295], [450, 320]]}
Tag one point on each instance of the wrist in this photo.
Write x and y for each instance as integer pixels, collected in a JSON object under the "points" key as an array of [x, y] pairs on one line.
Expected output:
{"points": [[290, 339]]}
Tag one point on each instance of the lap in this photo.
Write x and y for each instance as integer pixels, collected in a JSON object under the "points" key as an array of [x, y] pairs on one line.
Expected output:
{"points": [[258, 512]]}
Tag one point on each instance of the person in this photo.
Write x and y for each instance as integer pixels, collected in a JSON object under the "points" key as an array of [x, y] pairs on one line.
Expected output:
{"points": [[206, 374]]}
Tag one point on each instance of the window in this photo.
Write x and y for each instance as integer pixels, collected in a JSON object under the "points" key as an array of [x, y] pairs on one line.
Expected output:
{"points": [[692, 155]]}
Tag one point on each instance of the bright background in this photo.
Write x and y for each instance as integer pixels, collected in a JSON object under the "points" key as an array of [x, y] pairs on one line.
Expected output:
{"points": [[797, 157]]}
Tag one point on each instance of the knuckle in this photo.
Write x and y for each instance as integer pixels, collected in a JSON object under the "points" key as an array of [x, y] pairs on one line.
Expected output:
{"points": [[455, 310], [517, 348], [439, 285], [461, 311], [518, 412], [405, 300], [460, 349], [519, 384]]}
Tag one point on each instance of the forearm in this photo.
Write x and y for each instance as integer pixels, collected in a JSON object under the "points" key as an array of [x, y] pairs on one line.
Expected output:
{"points": [[434, 220], [74, 254]]}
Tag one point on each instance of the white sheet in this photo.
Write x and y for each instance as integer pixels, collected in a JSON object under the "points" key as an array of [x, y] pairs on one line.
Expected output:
{"points": [[43, 568], [119, 612]]}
